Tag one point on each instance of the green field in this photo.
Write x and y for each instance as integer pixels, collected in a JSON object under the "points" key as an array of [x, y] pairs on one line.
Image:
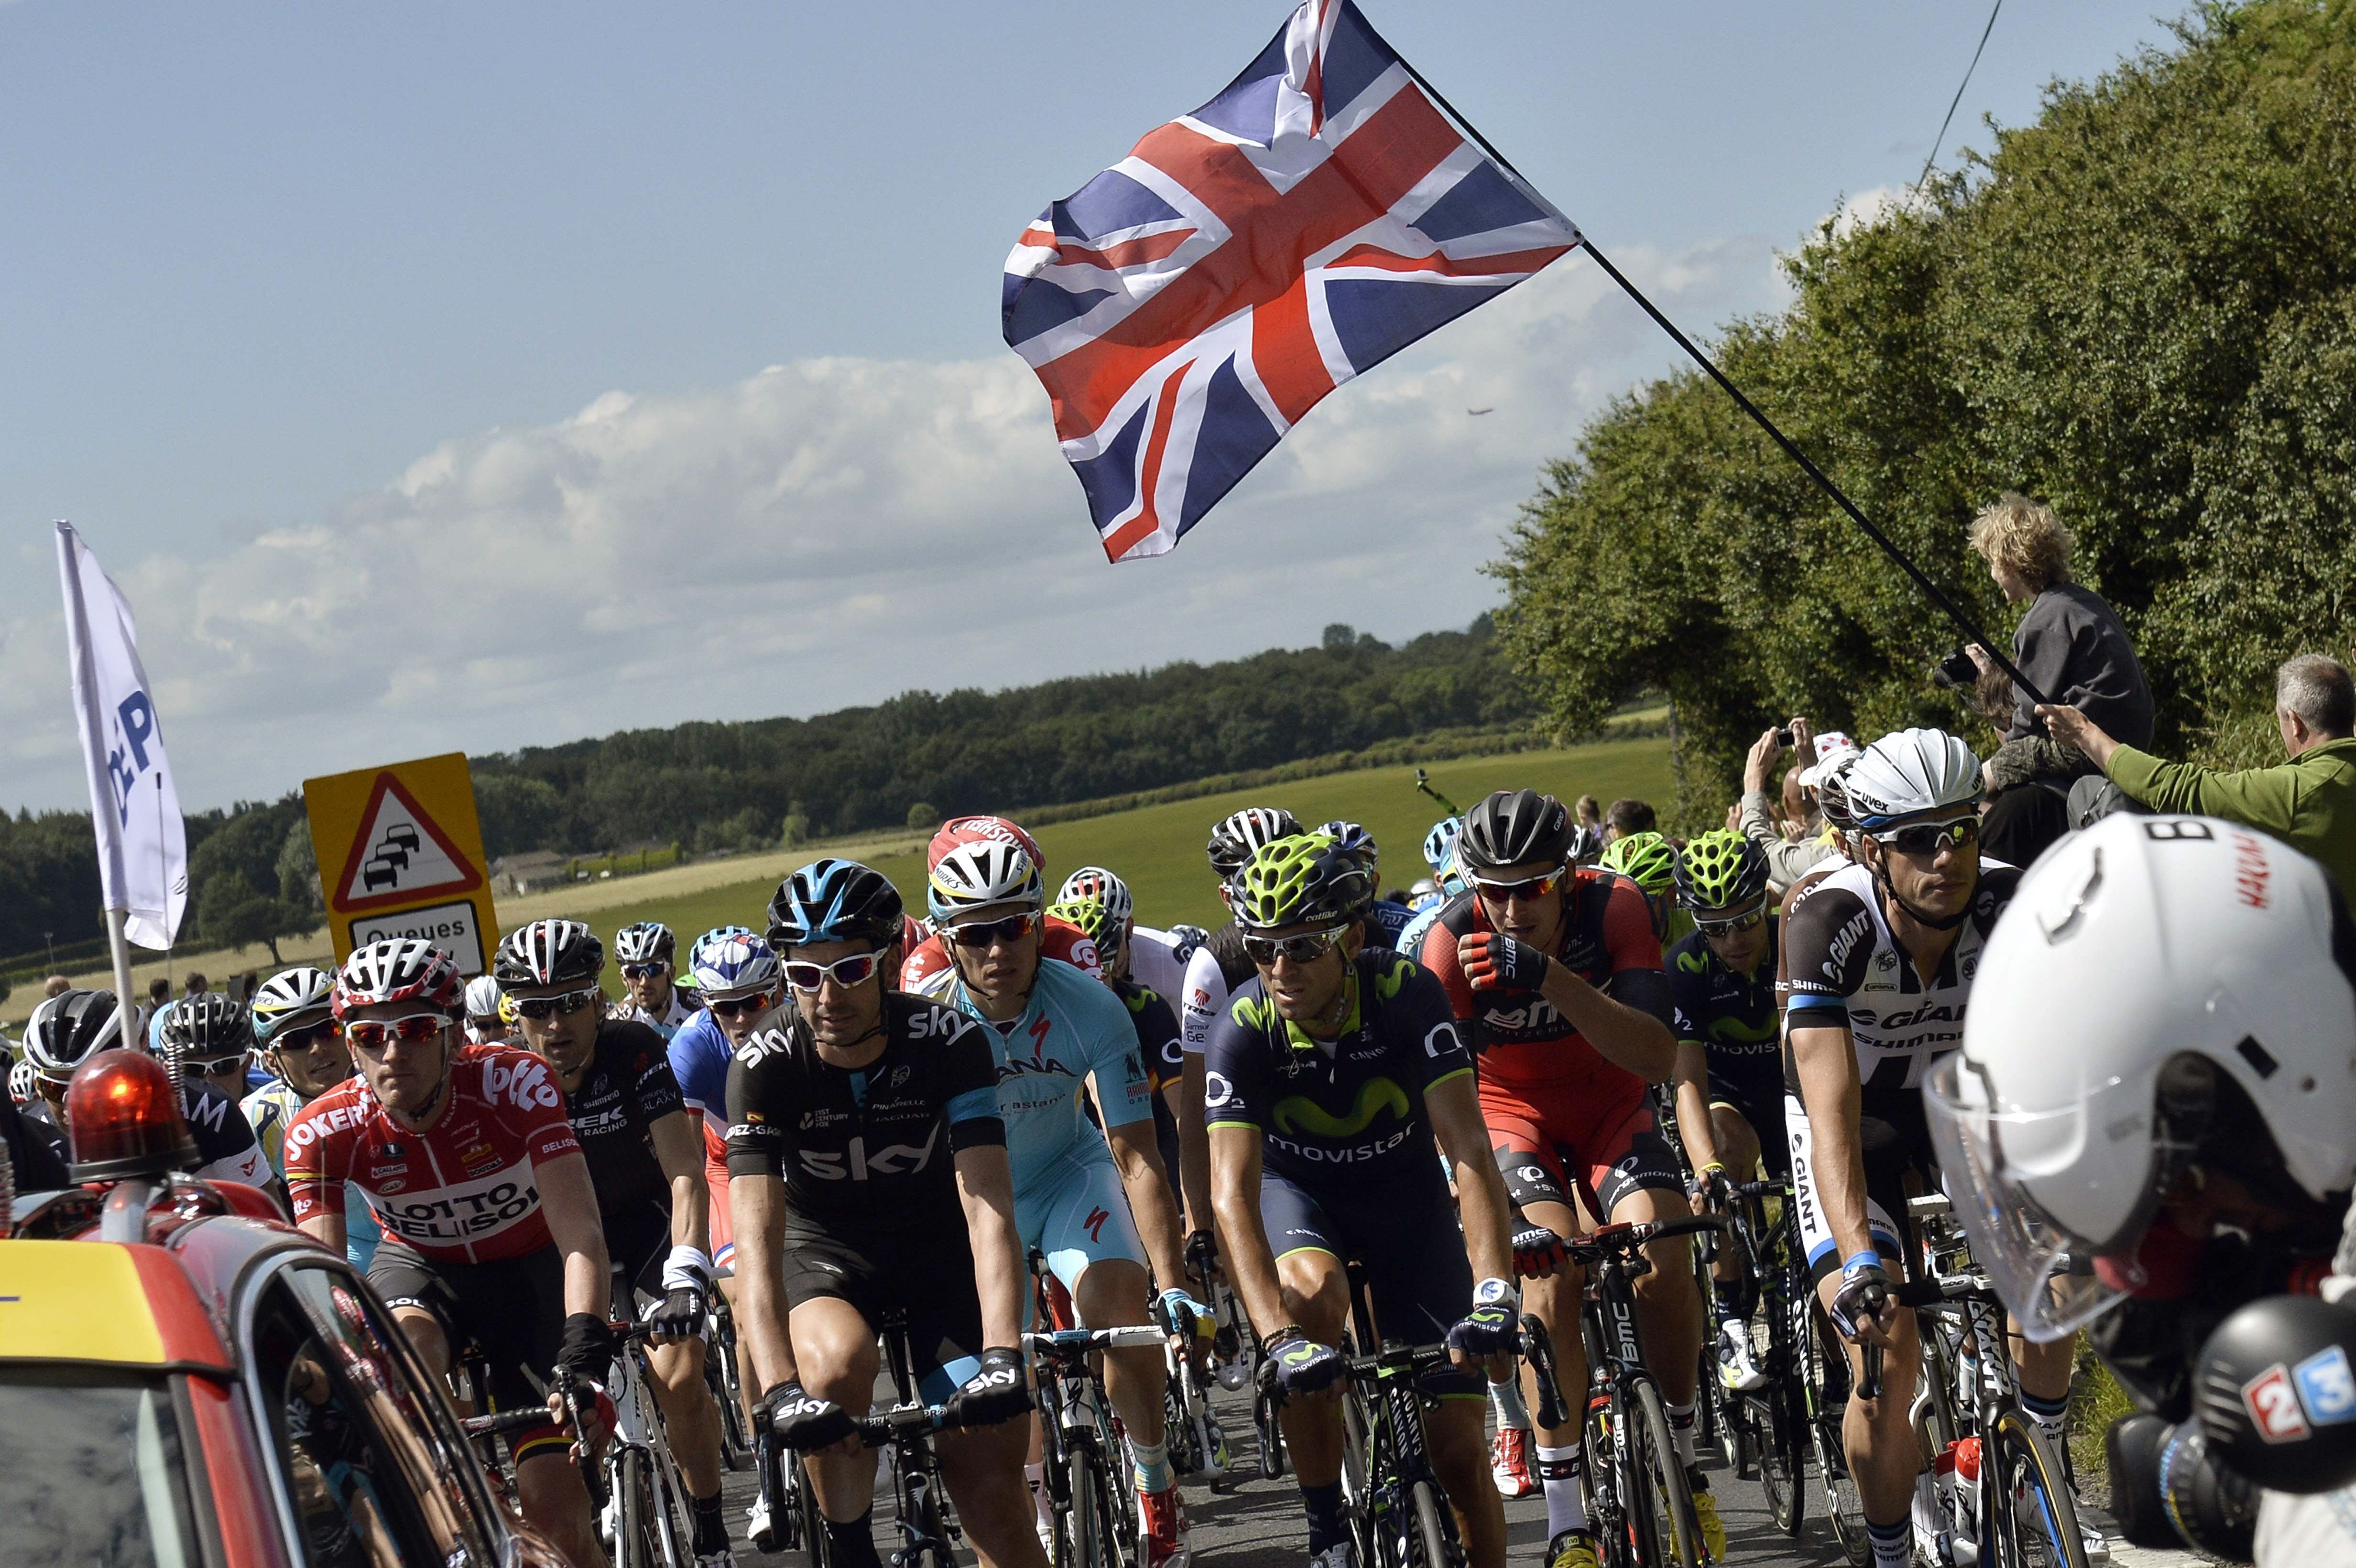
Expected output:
{"points": [[1158, 849]]}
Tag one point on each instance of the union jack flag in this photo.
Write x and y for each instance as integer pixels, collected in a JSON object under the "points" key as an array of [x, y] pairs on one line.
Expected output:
{"points": [[1193, 303]]}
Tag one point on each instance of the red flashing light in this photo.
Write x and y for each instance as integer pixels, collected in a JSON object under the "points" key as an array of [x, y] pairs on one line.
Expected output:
{"points": [[123, 1114]]}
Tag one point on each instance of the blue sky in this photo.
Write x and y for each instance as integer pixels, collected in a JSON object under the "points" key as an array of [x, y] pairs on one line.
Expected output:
{"points": [[460, 375]]}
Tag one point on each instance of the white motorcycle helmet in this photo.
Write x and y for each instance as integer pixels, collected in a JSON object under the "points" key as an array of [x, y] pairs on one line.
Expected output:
{"points": [[2143, 964]]}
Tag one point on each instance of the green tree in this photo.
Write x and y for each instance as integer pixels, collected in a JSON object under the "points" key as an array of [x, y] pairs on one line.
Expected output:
{"points": [[233, 914], [516, 812], [298, 869], [2142, 307], [923, 815]]}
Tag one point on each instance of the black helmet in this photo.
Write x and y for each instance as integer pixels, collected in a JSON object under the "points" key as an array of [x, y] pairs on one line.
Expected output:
{"points": [[1305, 879], [1514, 827], [68, 1028], [549, 953], [207, 1028], [1236, 839], [835, 901], [2273, 1391]]}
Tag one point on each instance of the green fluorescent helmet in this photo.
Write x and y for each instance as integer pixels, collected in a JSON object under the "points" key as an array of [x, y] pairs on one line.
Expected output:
{"points": [[1721, 869], [1646, 860], [1307, 878]]}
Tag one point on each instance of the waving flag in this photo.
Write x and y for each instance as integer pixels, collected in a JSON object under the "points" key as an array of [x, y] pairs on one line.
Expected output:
{"points": [[1193, 303]]}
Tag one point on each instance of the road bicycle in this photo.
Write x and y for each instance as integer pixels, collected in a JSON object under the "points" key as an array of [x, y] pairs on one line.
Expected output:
{"points": [[644, 1516], [1762, 1432], [1089, 1494], [1640, 1507], [1198, 1446]]}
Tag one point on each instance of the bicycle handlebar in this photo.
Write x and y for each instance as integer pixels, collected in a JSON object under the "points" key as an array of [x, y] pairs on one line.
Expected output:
{"points": [[1597, 1244], [1064, 1341], [508, 1421]]}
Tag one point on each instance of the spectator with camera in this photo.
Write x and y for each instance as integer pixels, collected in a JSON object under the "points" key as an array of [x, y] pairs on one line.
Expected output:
{"points": [[1789, 855]]}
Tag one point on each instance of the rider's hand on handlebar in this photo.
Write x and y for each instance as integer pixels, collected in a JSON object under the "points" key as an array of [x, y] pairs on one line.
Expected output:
{"points": [[1302, 1366], [801, 1420], [1491, 1332], [1182, 1317], [1537, 1252], [1863, 1308], [679, 1316], [1710, 1191], [995, 1393]]}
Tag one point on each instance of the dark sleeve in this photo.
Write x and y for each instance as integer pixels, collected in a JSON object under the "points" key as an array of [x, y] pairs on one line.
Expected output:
{"points": [[1829, 938], [654, 1087], [36, 1164], [220, 1128], [1425, 1018], [1235, 1064], [1157, 1036], [969, 1083], [1687, 988], [2023, 823], [2040, 651], [760, 1104]]}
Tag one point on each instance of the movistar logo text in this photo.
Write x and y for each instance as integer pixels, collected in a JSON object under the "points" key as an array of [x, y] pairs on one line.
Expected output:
{"points": [[1297, 1114]]}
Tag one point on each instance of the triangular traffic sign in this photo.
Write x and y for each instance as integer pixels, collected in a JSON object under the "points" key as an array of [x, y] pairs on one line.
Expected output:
{"points": [[399, 855]]}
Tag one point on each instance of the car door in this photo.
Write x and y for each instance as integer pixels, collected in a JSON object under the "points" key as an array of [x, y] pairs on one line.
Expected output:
{"points": [[371, 1471]]}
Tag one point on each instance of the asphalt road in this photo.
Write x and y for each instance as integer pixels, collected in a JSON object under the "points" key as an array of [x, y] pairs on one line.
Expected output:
{"points": [[1257, 1524]]}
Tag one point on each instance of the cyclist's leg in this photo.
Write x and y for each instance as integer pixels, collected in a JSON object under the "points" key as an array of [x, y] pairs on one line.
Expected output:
{"points": [[1883, 1456], [641, 1245], [1421, 1285], [981, 1467], [1089, 1239], [832, 1325], [1739, 1150], [723, 1269], [1541, 1189], [515, 1310], [412, 1290], [1316, 1288]]}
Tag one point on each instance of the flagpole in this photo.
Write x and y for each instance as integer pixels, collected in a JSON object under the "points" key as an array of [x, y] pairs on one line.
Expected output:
{"points": [[1954, 611]]}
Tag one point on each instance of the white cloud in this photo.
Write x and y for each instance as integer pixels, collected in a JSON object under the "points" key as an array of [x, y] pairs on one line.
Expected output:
{"points": [[1867, 207], [828, 532]]}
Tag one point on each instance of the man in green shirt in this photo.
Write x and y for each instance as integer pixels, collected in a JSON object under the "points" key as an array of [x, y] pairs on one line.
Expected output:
{"points": [[2308, 803]]}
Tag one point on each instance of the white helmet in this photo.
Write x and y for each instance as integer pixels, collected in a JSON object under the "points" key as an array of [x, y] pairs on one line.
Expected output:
{"points": [[1094, 884], [483, 995], [1908, 774], [21, 1079], [2143, 966], [974, 875]]}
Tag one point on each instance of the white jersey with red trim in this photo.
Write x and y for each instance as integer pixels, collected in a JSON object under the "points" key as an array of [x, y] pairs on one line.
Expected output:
{"points": [[465, 1191]]}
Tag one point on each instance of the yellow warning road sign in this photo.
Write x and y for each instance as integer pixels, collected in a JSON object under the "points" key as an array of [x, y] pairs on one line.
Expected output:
{"points": [[400, 854]]}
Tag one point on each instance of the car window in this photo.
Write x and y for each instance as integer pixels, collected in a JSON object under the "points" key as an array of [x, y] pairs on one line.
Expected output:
{"points": [[370, 1480], [92, 1470]]}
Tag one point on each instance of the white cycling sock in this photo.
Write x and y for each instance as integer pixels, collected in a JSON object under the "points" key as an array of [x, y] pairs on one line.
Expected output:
{"points": [[1152, 1466], [1681, 1431], [1505, 1404], [2051, 1416], [1037, 1476], [1893, 1544], [1558, 1472]]}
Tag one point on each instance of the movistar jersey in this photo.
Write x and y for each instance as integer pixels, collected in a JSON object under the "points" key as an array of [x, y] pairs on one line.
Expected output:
{"points": [[1072, 1027], [1344, 1111], [1732, 1014]]}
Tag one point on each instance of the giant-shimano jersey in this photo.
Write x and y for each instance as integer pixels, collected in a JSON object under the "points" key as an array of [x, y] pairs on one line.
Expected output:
{"points": [[1072, 1026], [467, 1189], [1847, 968], [872, 1148], [1217, 971], [1349, 1111]]}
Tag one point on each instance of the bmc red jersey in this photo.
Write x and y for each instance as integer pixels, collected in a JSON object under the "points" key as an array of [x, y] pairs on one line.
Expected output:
{"points": [[465, 1191], [1061, 940], [1522, 1040]]}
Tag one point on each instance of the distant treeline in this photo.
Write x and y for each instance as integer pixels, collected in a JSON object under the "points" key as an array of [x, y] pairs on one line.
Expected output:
{"points": [[923, 756], [914, 758]]}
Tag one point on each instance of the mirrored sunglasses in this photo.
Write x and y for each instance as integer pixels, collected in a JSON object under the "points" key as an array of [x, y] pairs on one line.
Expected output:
{"points": [[988, 932], [804, 975], [1921, 840], [1305, 948], [750, 1005], [541, 1009], [375, 1035], [1532, 888]]}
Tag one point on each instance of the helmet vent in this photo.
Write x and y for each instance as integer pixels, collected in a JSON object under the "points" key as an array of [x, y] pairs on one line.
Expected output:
{"points": [[2261, 1060]]}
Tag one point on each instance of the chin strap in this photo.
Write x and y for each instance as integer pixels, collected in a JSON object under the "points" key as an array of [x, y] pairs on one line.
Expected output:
{"points": [[1935, 922]]}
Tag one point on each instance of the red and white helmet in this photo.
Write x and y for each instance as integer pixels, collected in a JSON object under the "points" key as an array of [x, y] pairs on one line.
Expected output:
{"points": [[974, 875], [960, 832], [399, 969]]}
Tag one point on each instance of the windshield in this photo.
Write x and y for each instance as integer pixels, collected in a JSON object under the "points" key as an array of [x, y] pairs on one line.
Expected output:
{"points": [[91, 1470]]}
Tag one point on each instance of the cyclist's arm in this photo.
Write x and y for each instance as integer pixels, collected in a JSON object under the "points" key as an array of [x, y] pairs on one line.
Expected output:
{"points": [[569, 1200], [1694, 1129], [328, 1230], [1194, 1140], [1824, 1057], [756, 1208], [678, 1149], [1243, 1240], [314, 1181], [1455, 1109], [986, 1190], [1150, 1201], [1629, 1025]]}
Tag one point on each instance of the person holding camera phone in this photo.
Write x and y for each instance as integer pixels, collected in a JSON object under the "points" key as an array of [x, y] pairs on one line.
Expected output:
{"points": [[1788, 859]]}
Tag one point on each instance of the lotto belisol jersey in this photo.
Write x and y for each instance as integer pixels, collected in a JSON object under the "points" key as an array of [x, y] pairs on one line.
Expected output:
{"points": [[1072, 1027], [1731, 1014], [467, 1189], [1345, 1111], [871, 1148], [1847, 969]]}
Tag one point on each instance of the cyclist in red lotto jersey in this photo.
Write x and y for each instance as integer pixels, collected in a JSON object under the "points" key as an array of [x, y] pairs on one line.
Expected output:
{"points": [[1557, 970], [1060, 939], [490, 1222]]}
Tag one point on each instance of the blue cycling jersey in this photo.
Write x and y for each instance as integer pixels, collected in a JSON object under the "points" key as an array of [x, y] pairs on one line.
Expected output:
{"points": [[1411, 940], [1384, 923], [700, 1054], [1073, 1026]]}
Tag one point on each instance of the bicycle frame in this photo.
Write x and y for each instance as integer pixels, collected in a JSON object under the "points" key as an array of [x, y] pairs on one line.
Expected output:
{"points": [[640, 1433], [1077, 1421]]}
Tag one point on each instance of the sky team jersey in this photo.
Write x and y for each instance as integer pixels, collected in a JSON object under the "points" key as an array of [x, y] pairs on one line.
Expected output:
{"points": [[627, 1089], [1074, 1026], [1519, 1036], [1061, 940], [1348, 1111], [872, 1148], [1847, 969], [1733, 1016], [700, 1055], [465, 1191]]}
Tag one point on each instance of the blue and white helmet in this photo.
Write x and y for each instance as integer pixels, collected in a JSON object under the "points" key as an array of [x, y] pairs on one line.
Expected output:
{"points": [[1350, 839], [1439, 845], [732, 960]]}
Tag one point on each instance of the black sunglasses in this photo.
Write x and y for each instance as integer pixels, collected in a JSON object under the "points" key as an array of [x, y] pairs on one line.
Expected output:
{"points": [[979, 933], [644, 971], [541, 1009], [1921, 840], [751, 1005]]}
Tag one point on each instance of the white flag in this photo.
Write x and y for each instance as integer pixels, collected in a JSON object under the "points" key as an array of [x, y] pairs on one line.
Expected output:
{"points": [[142, 846]]}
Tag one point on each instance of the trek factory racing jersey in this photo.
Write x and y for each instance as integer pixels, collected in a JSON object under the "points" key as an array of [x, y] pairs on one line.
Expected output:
{"points": [[627, 1090], [465, 1191], [1218, 970], [685, 1004], [1731, 1015], [1520, 1037], [1847, 969], [227, 1150], [872, 1148], [700, 1057], [1060, 940], [1349, 1110]]}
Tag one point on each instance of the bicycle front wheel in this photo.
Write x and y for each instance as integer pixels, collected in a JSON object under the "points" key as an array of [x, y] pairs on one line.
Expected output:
{"points": [[2032, 1518], [1825, 1382], [1781, 1455], [635, 1544], [1435, 1529], [1088, 1534], [1660, 1504]]}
